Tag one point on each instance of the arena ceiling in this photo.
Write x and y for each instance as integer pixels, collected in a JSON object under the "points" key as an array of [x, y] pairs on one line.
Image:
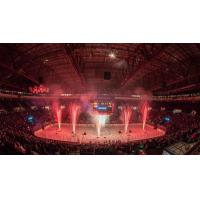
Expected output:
{"points": [[102, 68]]}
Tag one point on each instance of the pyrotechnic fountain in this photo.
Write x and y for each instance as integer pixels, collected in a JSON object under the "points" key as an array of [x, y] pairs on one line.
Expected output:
{"points": [[144, 114], [74, 110], [126, 113], [100, 121], [57, 113], [99, 112]]}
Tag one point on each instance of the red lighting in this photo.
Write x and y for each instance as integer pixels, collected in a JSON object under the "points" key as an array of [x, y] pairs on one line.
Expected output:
{"points": [[41, 89]]}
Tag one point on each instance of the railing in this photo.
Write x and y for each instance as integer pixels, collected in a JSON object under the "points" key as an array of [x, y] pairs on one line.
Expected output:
{"points": [[193, 148]]}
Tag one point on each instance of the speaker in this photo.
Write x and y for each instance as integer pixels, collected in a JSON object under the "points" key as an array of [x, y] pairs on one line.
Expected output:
{"points": [[107, 75]]}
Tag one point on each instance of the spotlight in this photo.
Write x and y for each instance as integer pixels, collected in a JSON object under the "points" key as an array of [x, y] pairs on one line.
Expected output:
{"points": [[45, 61], [112, 55]]}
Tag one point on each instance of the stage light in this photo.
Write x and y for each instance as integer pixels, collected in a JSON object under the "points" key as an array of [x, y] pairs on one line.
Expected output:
{"points": [[112, 55]]}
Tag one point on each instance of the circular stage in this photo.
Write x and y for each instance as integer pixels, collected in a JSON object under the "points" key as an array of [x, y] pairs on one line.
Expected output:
{"points": [[88, 133]]}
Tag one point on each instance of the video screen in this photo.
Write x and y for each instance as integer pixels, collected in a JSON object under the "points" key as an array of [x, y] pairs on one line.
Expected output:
{"points": [[102, 106]]}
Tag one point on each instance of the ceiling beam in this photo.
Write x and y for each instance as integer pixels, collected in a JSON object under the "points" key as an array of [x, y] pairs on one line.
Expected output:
{"points": [[13, 70], [14, 86], [76, 61], [143, 65], [17, 73], [177, 59], [179, 84]]}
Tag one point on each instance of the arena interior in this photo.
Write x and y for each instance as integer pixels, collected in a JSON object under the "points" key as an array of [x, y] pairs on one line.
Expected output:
{"points": [[100, 99]]}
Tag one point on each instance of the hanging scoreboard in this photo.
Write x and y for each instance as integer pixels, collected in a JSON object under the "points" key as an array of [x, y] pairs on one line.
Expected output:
{"points": [[102, 106]]}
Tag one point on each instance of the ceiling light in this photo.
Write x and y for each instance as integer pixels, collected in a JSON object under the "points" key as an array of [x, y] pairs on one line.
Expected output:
{"points": [[112, 55], [45, 60]]}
